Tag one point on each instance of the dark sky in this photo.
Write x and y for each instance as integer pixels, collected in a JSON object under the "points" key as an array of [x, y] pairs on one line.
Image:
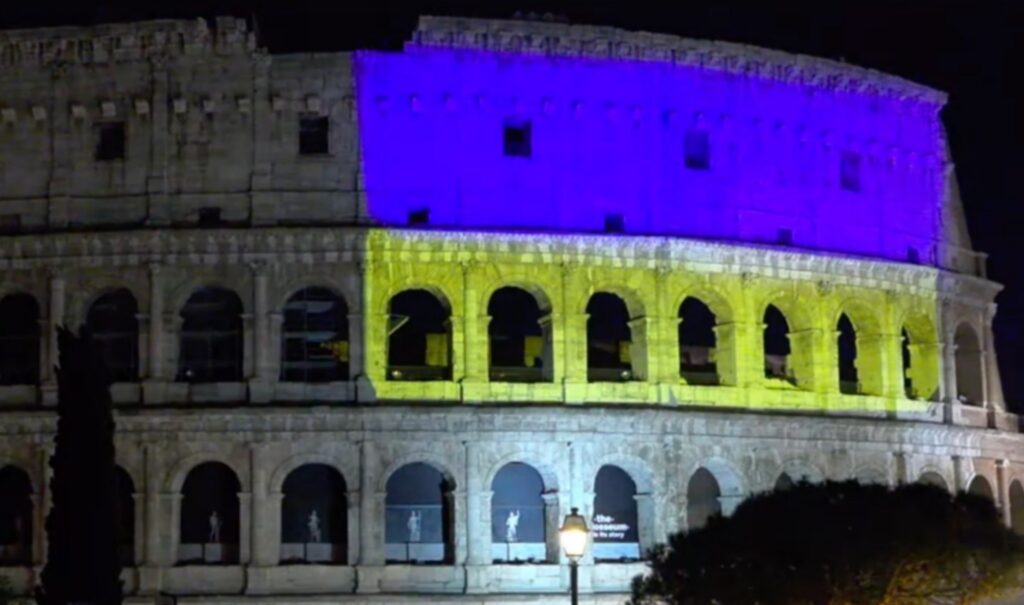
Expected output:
{"points": [[974, 50]]}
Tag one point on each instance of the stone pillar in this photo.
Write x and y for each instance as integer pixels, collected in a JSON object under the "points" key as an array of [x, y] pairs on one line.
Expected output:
{"points": [[805, 359], [646, 515], [575, 361], [259, 344], [994, 395], [552, 521], [552, 330], [273, 367], [54, 320], [733, 367], [1003, 492], [643, 348], [900, 470], [958, 474], [353, 500], [456, 328], [371, 523], [245, 529], [172, 505], [949, 369], [477, 348], [478, 534], [155, 371], [139, 504], [356, 353]]}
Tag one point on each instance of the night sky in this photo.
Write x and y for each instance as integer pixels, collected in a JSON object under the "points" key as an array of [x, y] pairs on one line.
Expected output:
{"points": [[972, 50]]}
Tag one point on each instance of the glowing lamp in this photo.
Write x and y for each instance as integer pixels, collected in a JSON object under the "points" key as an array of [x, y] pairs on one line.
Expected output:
{"points": [[573, 535]]}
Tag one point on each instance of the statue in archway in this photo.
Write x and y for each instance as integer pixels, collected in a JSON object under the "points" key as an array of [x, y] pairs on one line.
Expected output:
{"points": [[512, 526], [214, 537], [413, 524], [314, 527]]}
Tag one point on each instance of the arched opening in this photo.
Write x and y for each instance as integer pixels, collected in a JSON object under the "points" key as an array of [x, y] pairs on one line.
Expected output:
{"points": [[124, 492], [616, 519], [209, 515], [520, 338], [697, 343], [934, 479], [849, 382], [314, 337], [211, 337], [920, 359], [19, 340], [1017, 507], [702, 498], [314, 516], [969, 386], [981, 487], [419, 337], [419, 525], [776, 346], [610, 347], [15, 517], [784, 482], [518, 523], [113, 322]]}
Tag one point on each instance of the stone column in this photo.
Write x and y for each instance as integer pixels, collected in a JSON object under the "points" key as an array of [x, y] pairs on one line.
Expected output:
{"points": [[477, 347], [805, 360], [958, 474], [139, 504], [478, 534], [552, 521], [949, 369], [155, 372], [995, 384], [646, 513], [734, 361], [456, 328], [54, 320], [353, 512], [172, 505], [553, 331], [643, 347], [1003, 492], [356, 351], [245, 529], [575, 356], [371, 523], [259, 344]]}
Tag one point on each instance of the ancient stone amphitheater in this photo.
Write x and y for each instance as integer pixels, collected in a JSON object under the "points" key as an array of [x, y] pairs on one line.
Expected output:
{"points": [[376, 320]]}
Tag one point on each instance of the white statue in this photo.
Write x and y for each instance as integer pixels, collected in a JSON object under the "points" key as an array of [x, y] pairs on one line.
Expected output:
{"points": [[511, 526], [414, 526], [314, 528], [214, 537]]}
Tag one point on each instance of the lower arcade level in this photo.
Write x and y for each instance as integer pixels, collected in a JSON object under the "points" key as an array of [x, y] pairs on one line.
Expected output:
{"points": [[373, 502]]}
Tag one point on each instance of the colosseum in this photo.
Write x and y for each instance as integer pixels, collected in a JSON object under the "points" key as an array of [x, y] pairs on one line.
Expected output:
{"points": [[378, 320]]}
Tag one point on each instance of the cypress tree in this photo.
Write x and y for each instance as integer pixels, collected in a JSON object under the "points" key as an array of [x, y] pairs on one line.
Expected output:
{"points": [[82, 566]]}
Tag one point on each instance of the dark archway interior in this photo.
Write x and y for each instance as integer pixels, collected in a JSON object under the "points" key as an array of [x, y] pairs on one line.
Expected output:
{"points": [[19, 340], [518, 346], [616, 522], [419, 524], [314, 339], [210, 487], [113, 322], [315, 489], [517, 490], [419, 341], [697, 342], [702, 493], [15, 517], [211, 337], [776, 344], [609, 339], [847, 345]]}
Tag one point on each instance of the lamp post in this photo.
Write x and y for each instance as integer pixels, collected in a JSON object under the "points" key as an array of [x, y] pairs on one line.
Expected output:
{"points": [[573, 536]]}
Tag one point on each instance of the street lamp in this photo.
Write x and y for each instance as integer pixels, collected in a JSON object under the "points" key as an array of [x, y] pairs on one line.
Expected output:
{"points": [[573, 536]]}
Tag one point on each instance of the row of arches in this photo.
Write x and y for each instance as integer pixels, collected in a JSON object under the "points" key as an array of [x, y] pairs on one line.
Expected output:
{"points": [[314, 342], [419, 518]]}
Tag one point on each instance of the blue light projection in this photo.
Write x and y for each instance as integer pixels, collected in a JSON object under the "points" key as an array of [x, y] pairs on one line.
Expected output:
{"points": [[621, 141]]}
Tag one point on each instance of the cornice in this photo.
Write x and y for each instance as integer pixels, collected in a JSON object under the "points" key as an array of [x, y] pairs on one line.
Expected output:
{"points": [[583, 41]]}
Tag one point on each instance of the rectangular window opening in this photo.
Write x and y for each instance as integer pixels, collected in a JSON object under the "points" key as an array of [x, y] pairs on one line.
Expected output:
{"points": [[313, 135], [518, 139], [110, 141], [697, 150], [849, 171], [420, 216], [614, 223], [210, 217]]}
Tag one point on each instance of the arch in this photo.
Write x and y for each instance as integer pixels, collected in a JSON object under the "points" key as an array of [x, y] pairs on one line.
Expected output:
{"points": [[619, 512], [969, 380], [980, 486], [933, 478], [16, 515], [419, 514], [698, 342], [275, 484], [717, 302], [703, 498], [209, 521], [519, 519], [547, 474], [634, 303], [314, 337], [201, 279], [614, 352], [638, 469], [314, 515], [174, 480], [112, 319], [846, 346], [211, 337], [419, 331], [920, 357], [302, 279], [519, 336], [19, 339], [124, 491], [1016, 501], [776, 343]]}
